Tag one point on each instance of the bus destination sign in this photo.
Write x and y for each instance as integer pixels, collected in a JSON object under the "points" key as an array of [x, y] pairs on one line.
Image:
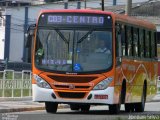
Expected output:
{"points": [[74, 19], [69, 19]]}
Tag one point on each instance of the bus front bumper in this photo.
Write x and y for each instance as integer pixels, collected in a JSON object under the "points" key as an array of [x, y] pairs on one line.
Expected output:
{"points": [[94, 96]]}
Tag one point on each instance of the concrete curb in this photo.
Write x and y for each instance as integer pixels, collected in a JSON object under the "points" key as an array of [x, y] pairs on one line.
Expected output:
{"points": [[21, 109], [15, 99], [156, 98], [61, 106]]}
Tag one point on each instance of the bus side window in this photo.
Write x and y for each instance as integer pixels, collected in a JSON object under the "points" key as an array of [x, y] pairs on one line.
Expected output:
{"points": [[153, 45], [141, 43], [156, 42], [123, 41], [129, 40], [147, 48], [118, 43], [29, 36], [135, 42]]}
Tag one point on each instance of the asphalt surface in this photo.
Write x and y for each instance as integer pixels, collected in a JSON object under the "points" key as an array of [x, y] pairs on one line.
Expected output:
{"points": [[19, 104], [96, 113], [26, 104]]}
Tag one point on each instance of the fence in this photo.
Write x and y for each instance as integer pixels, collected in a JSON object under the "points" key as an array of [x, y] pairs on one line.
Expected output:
{"points": [[15, 84]]}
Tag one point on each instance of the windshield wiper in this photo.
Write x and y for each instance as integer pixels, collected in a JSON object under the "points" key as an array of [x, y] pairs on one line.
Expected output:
{"points": [[57, 30], [85, 36], [62, 36]]}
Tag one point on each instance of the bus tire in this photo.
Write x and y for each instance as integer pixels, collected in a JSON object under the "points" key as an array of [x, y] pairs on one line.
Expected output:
{"points": [[74, 107], [51, 107], [139, 107], [129, 107], [85, 108], [114, 109], [123, 92]]}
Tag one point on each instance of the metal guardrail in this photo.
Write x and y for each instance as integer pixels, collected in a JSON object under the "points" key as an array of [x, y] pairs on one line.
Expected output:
{"points": [[15, 84]]}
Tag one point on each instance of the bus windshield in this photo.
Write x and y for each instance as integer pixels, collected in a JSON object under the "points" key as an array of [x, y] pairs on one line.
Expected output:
{"points": [[73, 50]]}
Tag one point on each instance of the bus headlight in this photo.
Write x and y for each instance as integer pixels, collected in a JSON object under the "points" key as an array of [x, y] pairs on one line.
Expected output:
{"points": [[103, 84], [40, 82]]}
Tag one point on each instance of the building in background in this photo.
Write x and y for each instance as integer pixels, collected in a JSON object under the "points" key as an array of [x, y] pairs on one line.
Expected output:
{"points": [[14, 3], [2, 37]]}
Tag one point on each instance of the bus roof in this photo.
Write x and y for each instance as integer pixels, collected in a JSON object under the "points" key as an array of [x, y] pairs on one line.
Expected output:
{"points": [[116, 17], [134, 21], [77, 11]]}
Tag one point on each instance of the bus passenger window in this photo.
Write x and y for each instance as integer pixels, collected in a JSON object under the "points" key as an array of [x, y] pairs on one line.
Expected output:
{"points": [[135, 42], [141, 43], [118, 43], [118, 39], [129, 41], [123, 40], [153, 45], [156, 42], [147, 42]]}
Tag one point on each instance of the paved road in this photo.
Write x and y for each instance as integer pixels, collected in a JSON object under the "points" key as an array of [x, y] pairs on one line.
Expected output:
{"points": [[152, 112]]}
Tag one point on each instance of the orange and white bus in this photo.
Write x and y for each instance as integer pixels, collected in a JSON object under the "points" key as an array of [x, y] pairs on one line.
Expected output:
{"points": [[93, 57]]}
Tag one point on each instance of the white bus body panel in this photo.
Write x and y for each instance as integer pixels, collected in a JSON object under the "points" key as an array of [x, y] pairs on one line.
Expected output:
{"points": [[42, 95]]}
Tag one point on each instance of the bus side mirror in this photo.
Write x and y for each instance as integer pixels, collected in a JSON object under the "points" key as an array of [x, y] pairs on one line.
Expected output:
{"points": [[29, 34]]}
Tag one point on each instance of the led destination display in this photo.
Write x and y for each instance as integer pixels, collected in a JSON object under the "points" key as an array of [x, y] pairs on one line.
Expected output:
{"points": [[85, 20], [69, 19]]}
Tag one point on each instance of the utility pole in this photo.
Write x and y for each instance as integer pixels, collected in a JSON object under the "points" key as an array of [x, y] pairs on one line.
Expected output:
{"points": [[114, 2], [65, 4], [25, 50], [102, 5], [85, 4], [128, 7], [78, 4]]}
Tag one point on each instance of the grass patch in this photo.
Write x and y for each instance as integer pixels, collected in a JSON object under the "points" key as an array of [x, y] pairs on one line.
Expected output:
{"points": [[8, 92], [17, 93], [1, 75], [9, 75], [1, 92], [26, 92]]}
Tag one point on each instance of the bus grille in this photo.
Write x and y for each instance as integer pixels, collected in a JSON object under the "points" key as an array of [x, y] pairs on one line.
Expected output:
{"points": [[72, 79], [68, 87], [71, 95]]}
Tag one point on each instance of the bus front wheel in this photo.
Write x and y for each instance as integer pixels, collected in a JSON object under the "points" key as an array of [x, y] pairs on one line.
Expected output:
{"points": [[85, 108], [51, 107], [114, 109], [74, 107]]}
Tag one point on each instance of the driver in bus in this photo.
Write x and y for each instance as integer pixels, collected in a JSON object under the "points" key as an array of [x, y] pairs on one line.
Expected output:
{"points": [[102, 48]]}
